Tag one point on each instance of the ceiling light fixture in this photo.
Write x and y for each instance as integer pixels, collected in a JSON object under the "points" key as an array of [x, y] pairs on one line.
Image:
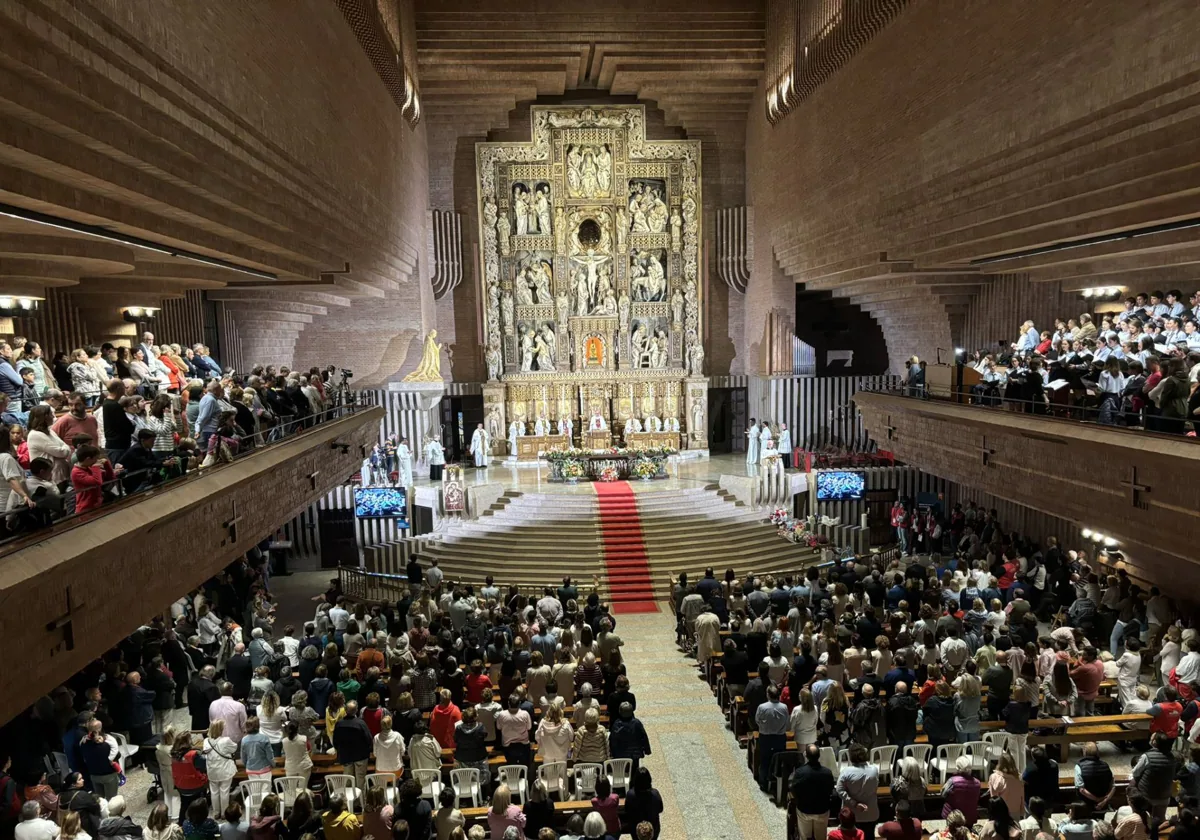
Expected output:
{"points": [[1099, 239], [21, 213]]}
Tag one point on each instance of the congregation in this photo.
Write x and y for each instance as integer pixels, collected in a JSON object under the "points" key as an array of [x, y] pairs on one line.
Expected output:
{"points": [[949, 687], [1138, 368], [348, 727], [83, 430]]}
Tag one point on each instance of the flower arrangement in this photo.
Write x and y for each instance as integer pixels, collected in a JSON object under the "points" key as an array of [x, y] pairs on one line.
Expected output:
{"points": [[609, 474], [792, 530], [559, 456], [779, 517], [573, 469], [644, 468]]}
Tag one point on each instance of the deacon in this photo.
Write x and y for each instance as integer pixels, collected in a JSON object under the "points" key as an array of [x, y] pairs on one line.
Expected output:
{"points": [[480, 446], [436, 456]]}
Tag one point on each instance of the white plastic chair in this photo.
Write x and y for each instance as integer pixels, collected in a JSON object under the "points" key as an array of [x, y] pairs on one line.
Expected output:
{"points": [[921, 753], [843, 758], [431, 783], [287, 788], [585, 779], [125, 750], [387, 781], [884, 758], [620, 772], [554, 774], [980, 762], [516, 776], [829, 759], [947, 757], [336, 783], [254, 791], [997, 743], [465, 783]]}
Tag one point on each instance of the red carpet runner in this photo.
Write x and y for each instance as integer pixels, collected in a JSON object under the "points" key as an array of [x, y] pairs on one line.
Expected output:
{"points": [[629, 582]]}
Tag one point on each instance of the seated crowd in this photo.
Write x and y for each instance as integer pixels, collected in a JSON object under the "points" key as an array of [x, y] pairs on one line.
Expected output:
{"points": [[528, 692], [79, 431], [1138, 368], [928, 650]]}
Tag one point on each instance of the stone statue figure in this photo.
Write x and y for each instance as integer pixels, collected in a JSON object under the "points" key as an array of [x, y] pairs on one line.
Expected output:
{"points": [[524, 289], [603, 168], [560, 229], [493, 424], [659, 350], [541, 204], [590, 174], [562, 304], [581, 294], [506, 310], [689, 214], [494, 360], [623, 312], [503, 228], [691, 314], [677, 307], [676, 231], [656, 216], [541, 282], [696, 358], [521, 209], [608, 306], [622, 229], [489, 212], [430, 368], [697, 419], [544, 349], [526, 342]]}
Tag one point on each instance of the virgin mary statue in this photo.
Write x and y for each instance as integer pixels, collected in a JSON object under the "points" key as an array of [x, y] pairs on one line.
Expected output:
{"points": [[430, 368]]}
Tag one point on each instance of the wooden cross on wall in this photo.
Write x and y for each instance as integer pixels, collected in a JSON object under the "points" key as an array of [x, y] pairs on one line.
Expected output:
{"points": [[312, 479], [891, 430], [1135, 489], [65, 624], [230, 525], [987, 453]]}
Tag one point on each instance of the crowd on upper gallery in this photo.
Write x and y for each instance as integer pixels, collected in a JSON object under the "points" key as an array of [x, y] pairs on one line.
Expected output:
{"points": [[85, 428], [477, 679], [1138, 368]]}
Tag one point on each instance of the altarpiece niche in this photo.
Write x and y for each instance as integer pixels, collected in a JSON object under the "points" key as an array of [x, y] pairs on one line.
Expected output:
{"points": [[590, 240]]}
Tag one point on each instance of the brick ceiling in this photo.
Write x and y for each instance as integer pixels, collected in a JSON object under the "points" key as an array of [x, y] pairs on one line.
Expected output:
{"points": [[698, 61]]}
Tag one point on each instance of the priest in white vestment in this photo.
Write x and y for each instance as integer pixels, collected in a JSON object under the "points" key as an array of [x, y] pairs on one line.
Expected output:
{"points": [[480, 446], [404, 455], [765, 437], [541, 426], [566, 428], [752, 443], [653, 424], [632, 425], [597, 424], [436, 456], [672, 424], [515, 429]]}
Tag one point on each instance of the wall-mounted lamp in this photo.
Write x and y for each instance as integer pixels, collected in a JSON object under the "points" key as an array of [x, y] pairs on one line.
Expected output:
{"points": [[139, 314], [1102, 293], [18, 307]]}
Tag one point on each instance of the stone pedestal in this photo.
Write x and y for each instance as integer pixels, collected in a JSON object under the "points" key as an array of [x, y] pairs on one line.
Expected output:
{"points": [[494, 398], [423, 400], [696, 417]]}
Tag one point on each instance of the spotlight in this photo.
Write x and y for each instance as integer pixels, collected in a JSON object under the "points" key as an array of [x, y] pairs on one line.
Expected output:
{"points": [[1087, 293], [1110, 542], [1086, 533], [958, 351], [1097, 537]]}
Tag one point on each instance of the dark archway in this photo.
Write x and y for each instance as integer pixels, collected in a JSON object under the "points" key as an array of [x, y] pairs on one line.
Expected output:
{"points": [[830, 325]]}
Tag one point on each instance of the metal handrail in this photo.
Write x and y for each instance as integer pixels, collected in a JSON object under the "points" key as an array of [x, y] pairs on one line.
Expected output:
{"points": [[16, 542], [1075, 413]]}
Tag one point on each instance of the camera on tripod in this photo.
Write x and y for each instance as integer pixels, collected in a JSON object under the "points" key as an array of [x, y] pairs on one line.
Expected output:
{"points": [[347, 373]]}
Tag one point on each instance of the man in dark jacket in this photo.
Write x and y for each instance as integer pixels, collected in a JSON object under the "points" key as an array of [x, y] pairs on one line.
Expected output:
{"points": [[708, 585], [902, 711], [627, 737], [239, 671], [736, 665], [162, 683], [143, 466], [353, 741], [202, 691], [76, 798], [756, 692], [868, 720], [899, 673], [117, 824], [811, 788], [140, 703], [176, 657]]}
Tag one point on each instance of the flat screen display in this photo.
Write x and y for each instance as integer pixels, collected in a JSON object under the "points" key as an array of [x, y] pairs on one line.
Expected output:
{"points": [[834, 486], [381, 503]]}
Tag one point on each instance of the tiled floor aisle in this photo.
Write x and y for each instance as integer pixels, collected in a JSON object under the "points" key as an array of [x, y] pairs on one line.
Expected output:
{"points": [[707, 791]]}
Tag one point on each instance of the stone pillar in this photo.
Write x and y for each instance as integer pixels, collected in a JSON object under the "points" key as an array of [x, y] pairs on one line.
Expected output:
{"points": [[423, 399], [696, 420], [494, 396]]}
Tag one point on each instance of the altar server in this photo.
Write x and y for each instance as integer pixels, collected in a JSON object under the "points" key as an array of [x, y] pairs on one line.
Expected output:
{"points": [[436, 456], [765, 438], [365, 477], [404, 455], [480, 446], [752, 442], [515, 429], [785, 444]]}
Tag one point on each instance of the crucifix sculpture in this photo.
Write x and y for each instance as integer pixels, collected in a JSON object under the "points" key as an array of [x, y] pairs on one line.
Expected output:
{"points": [[891, 430], [231, 524], [987, 453], [1136, 489]]}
